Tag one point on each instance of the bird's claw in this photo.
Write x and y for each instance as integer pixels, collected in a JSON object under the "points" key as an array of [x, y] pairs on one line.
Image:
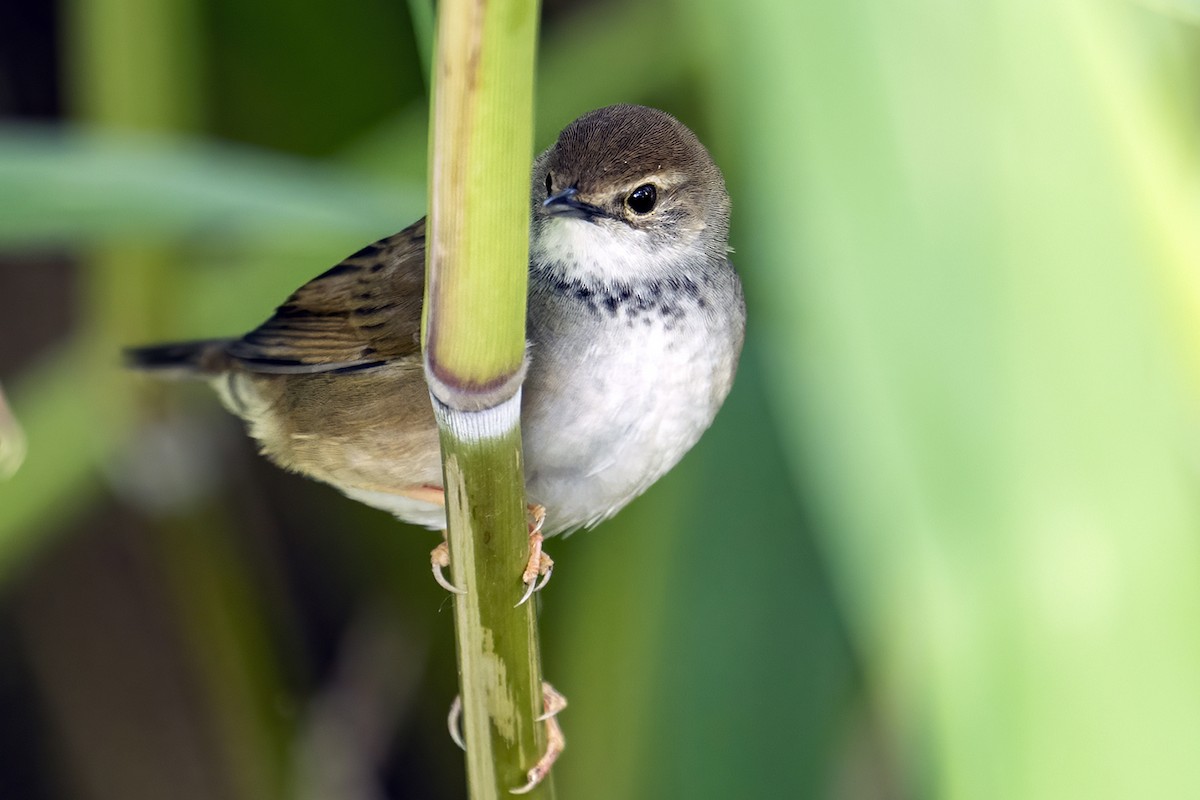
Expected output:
{"points": [[538, 568], [440, 558], [539, 565], [553, 702], [453, 720]]}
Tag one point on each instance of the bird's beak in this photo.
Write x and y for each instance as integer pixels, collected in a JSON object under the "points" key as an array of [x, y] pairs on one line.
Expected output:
{"points": [[565, 204]]}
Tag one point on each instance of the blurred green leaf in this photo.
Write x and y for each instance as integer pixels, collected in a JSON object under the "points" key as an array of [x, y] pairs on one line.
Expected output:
{"points": [[62, 186], [974, 226], [1187, 11], [422, 15]]}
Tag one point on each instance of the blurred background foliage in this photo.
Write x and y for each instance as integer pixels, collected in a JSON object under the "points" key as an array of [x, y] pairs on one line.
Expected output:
{"points": [[941, 542]]}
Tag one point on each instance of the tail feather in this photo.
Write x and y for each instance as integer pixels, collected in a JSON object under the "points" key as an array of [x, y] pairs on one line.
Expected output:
{"points": [[201, 359]]}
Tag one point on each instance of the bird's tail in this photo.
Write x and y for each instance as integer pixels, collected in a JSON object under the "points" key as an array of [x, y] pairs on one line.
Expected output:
{"points": [[202, 359]]}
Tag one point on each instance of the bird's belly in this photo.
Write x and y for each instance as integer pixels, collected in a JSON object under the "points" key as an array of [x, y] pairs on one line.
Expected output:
{"points": [[601, 423], [344, 430]]}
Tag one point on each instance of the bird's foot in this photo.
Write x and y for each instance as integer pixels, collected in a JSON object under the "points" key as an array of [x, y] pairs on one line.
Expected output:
{"points": [[539, 564], [440, 558], [553, 702], [537, 569]]}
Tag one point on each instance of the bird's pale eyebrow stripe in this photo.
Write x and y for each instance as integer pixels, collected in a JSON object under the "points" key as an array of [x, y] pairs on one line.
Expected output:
{"points": [[666, 178]]}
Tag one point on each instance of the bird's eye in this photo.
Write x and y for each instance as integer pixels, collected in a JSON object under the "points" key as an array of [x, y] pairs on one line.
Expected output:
{"points": [[642, 199], [549, 184]]}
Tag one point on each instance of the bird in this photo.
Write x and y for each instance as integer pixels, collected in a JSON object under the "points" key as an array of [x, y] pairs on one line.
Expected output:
{"points": [[635, 324]]}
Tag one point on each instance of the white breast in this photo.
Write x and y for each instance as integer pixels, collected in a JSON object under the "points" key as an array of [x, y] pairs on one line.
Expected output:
{"points": [[616, 396]]}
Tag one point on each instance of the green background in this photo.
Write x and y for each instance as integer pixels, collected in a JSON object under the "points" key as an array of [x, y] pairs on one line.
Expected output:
{"points": [[942, 542]]}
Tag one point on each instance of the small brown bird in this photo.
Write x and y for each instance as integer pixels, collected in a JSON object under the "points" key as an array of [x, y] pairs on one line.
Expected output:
{"points": [[635, 325]]}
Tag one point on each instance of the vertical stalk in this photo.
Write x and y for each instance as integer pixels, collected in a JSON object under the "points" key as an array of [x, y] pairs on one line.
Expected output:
{"points": [[474, 341], [134, 65]]}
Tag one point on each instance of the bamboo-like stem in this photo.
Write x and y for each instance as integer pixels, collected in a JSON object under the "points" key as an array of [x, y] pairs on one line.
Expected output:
{"points": [[498, 657], [474, 344]]}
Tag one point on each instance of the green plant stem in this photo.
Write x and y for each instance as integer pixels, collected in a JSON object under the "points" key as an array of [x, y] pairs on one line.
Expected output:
{"points": [[474, 344], [499, 661], [481, 142]]}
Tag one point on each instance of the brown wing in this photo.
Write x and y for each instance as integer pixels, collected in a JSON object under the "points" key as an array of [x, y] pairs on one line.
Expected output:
{"points": [[364, 312]]}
